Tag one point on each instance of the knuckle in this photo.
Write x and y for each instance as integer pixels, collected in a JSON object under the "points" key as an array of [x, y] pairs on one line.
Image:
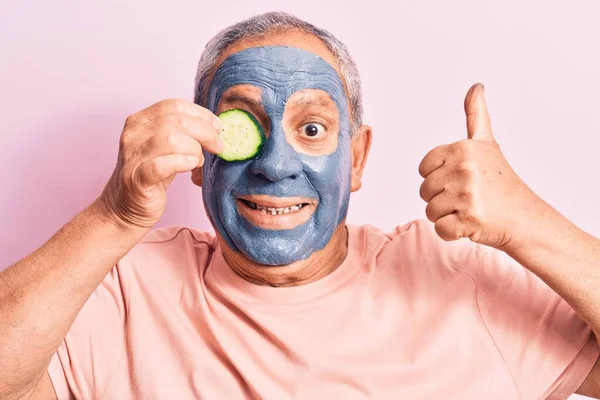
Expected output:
{"points": [[130, 121], [422, 170], [172, 140], [440, 150], [466, 168], [455, 148], [467, 196], [442, 230], [469, 190], [170, 104], [423, 191], [429, 213], [125, 139]]}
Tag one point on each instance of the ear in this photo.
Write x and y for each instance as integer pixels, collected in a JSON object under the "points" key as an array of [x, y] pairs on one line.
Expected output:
{"points": [[197, 176], [361, 144]]}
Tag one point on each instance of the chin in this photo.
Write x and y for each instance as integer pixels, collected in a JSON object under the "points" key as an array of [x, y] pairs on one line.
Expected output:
{"points": [[275, 248]]}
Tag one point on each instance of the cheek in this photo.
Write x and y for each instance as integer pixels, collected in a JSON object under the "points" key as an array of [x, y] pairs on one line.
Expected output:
{"points": [[229, 174], [223, 177], [329, 175]]}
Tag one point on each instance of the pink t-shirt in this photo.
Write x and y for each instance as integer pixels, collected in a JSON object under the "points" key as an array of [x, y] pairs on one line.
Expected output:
{"points": [[406, 316]]}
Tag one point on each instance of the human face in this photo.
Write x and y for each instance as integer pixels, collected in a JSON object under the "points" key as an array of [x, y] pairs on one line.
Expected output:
{"points": [[300, 100]]}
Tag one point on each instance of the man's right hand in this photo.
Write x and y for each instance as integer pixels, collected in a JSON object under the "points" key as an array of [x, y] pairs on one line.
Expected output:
{"points": [[157, 143], [41, 294]]}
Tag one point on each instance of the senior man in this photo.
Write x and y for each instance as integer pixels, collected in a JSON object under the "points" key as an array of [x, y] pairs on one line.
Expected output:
{"points": [[287, 301]]}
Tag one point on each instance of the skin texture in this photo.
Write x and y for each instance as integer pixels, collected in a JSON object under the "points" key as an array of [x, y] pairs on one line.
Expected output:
{"points": [[469, 185], [292, 164], [322, 262], [472, 192], [41, 294]]}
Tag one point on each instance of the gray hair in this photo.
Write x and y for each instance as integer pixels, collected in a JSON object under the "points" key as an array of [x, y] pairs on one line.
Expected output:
{"points": [[271, 22]]}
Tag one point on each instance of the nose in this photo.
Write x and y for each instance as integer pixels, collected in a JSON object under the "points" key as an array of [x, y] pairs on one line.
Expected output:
{"points": [[278, 160]]}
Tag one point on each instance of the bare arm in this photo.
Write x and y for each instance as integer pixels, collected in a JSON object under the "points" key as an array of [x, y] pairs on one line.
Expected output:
{"points": [[41, 295], [568, 260], [472, 192]]}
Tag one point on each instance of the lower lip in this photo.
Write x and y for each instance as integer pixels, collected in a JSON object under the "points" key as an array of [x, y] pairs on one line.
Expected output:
{"points": [[275, 222]]}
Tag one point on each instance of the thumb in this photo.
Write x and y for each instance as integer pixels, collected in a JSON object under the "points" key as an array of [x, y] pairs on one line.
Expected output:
{"points": [[478, 119]]}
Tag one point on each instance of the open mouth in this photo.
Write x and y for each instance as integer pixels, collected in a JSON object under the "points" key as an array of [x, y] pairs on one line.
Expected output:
{"points": [[274, 210], [275, 213]]}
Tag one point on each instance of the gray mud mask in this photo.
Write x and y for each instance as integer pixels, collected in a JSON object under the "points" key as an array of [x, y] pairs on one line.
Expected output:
{"points": [[279, 170]]}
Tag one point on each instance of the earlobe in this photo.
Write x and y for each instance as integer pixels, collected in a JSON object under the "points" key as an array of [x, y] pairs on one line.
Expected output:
{"points": [[361, 144], [197, 176]]}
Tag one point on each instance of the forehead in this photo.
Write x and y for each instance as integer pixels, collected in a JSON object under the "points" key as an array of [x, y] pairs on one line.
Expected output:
{"points": [[279, 71]]}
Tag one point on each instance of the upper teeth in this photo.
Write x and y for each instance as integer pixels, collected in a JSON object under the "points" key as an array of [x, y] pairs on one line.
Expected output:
{"points": [[275, 210]]}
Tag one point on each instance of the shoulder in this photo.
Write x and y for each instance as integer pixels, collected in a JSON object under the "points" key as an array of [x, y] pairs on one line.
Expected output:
{"points": [[416, 242], [173, 253], [165, 240], [176, 233]]}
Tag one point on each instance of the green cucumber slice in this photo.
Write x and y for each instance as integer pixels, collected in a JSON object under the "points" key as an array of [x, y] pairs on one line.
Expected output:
{"points": [[243, 136]]}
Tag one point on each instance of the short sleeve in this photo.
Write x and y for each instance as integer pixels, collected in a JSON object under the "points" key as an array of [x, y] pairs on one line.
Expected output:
{"points": [[547, 347], [88, 357]]}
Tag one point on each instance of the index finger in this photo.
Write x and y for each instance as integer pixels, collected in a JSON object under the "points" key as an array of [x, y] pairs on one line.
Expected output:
{"points": [[433, 160], [197, 128], [178, 106]]}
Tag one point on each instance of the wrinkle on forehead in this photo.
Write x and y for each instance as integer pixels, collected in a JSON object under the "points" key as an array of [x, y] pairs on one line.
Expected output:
{"points": [[279, 71], [286, 37]]}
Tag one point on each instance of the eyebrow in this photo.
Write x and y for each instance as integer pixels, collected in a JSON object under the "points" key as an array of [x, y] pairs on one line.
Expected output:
{"points": [[233, 97], [306, 101], [303, 102]]}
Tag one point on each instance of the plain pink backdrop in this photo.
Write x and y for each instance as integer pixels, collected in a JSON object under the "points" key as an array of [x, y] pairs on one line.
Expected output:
{"points": [[71, 71]]}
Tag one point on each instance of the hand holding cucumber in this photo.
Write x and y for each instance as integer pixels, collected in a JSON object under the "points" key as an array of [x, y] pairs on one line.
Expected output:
{"points": [[472, 191], [157, 143]]}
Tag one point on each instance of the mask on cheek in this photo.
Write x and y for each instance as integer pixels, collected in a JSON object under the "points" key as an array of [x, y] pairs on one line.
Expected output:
{"points": [[279, 170]]}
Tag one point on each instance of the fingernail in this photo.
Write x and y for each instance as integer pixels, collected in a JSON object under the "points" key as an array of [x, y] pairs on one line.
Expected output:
{"points": [[219, 143], [193, 159]]}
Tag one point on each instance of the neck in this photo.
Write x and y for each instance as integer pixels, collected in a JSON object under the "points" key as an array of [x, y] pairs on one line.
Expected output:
{"points": [[320, 264]]}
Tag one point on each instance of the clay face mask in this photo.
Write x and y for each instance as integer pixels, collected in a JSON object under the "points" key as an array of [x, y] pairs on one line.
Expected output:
{"points": [[279, 170]]}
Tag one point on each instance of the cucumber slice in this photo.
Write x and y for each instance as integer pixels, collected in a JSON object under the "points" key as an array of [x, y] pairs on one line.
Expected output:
{"points": [[243, 137]]}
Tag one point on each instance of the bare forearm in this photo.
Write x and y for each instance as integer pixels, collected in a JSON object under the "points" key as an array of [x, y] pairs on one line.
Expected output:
{"points": [[568, 260], [41, 294]]}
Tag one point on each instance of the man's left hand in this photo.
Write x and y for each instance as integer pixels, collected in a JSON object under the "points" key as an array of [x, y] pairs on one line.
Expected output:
{"points": [[472, 191]]}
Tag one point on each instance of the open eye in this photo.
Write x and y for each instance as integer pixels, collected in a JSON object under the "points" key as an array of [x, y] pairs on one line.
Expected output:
{"points": [[312, 130]]}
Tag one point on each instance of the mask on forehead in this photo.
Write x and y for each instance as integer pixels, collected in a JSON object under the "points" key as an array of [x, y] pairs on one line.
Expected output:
{"points": [[279, 170]]}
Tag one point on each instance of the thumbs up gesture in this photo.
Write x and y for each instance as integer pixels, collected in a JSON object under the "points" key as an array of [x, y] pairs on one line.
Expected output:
{"points": [[471, 190]]}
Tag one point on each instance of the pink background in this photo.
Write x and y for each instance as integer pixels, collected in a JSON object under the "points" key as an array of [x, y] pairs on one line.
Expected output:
{"points": [[72, 71]]}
